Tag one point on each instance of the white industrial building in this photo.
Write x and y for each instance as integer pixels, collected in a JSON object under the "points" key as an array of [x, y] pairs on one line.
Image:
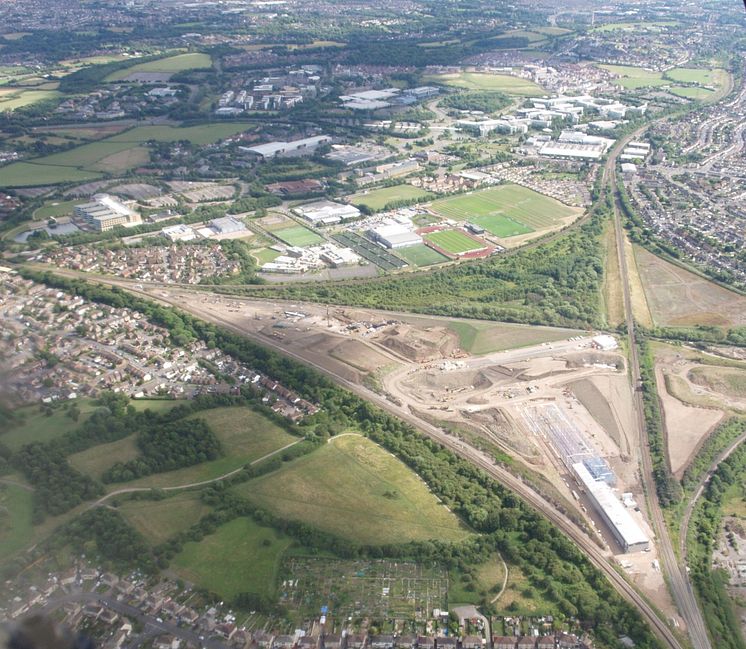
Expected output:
{"points": [[394, 235], [326, 212], [228, 225], [509, 125], [179, 232], [605, 342], [623, 527], [306, 146], [104, 212], [577, 146]]}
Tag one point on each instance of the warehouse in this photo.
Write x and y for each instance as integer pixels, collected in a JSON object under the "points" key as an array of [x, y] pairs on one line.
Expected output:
{"points": [[306, 146], [621, 524], [228, 225]]}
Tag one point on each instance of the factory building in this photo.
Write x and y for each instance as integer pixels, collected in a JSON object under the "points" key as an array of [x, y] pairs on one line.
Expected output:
{"points": [[228, 225], [394, 235], [620, 522], [105, 212], [326, 212], [306, 146]]}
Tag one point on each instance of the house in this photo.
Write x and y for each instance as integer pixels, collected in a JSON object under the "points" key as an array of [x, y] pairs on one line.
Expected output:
{"points": [[568, 641], [356, 641], [225, 630], [425, 642], [108, 616], [284, 642], [167, 642], [503, 642], [526, 642], [545, 642], [472, 642], [447, 643], [263, 640], [381, 641], [308, 642], [405, 642], [333, 641]]}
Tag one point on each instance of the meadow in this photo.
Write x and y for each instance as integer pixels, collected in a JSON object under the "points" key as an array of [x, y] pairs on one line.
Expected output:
{"points": [[354, 489], [170, 64], [506, 83], [116, 154], [159, 520], [523, 206], [453, 241], [15, 100], [377, 199], [298, 235], [16, 507], [241, 556]]}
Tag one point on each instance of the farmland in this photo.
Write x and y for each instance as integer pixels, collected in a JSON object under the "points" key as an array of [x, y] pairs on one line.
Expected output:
{"points": [[115, 154], [453, 241], [15, 100], [421, 255], [158, 520], [241, 556], [171, 64], [354, 489], [519, 205], [377, 199], [299, 236], [483, 81]]}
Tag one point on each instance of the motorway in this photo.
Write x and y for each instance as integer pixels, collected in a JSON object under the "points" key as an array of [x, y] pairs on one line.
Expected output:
{"points": [[677, 577]]}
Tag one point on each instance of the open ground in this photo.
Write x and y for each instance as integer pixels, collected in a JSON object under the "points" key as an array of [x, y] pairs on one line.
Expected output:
{"points": [[484, 81], [377, 199], [168, 65]]}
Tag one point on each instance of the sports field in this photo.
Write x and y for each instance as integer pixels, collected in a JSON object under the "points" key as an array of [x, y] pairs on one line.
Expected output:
{"points": [[298, 235], [55, 208], [377, 199], [453, 241], [632, 77], [171, 64], [519, 204], [692, 92], [421, 255], [240, 557], [116, 154], [353, 488], [501, 226], [506, 83], [697, 75]]}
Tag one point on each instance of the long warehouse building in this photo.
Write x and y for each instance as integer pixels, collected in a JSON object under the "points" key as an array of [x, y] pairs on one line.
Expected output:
{"points": [[624, 528]]}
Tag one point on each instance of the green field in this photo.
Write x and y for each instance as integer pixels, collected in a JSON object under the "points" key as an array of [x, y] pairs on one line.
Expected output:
{"points": [[486, 337], [691, 92], [453, 241], [696, 75], [171, 64], [298, 235], [524, 206], [37, 427], [95, 460], [483, 81], [421, 255], [633, 77], [377, 199], [115, 154], [501, 226], [159, 520], [239, 557], [25, 98], [16, 508], [610, 27], [264, 255], [245, 436], [353, 488], [55, 208]]}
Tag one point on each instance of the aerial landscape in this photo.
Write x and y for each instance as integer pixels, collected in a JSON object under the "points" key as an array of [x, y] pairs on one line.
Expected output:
{"points": [[417, 324]]}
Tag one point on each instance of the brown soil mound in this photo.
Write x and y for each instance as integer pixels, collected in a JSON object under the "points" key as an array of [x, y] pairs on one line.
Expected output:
{"points": [[419, 344]]}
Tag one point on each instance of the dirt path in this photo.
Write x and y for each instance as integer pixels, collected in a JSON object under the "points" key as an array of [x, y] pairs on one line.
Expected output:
{"points": [[505, 580], [191, 485]]}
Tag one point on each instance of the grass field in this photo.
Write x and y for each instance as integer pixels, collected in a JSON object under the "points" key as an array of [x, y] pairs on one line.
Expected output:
{"points": [[353, 488], [245, 436], [264, 255], [696, 75], [15, 519], [610, 27], [453, 241], [692, 92], [421, 255], [634, 77], [488, 576], [171, 64], [159, 520], [501, 226], [377, 199], [483, 81], [115, 154], [95, 460], [25, 98], [55, 208], [487, 337], [523, 206], [239, 557], [727, 380], [298, 235]]}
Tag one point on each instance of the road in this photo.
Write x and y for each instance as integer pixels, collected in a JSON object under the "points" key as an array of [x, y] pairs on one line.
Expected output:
{"points": [[677, 577], [476, 457]]}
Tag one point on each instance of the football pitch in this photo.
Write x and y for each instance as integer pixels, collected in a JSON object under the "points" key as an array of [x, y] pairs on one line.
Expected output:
{"points": [[524, 207], [421, 255], [298, 236], [453, 241]]}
